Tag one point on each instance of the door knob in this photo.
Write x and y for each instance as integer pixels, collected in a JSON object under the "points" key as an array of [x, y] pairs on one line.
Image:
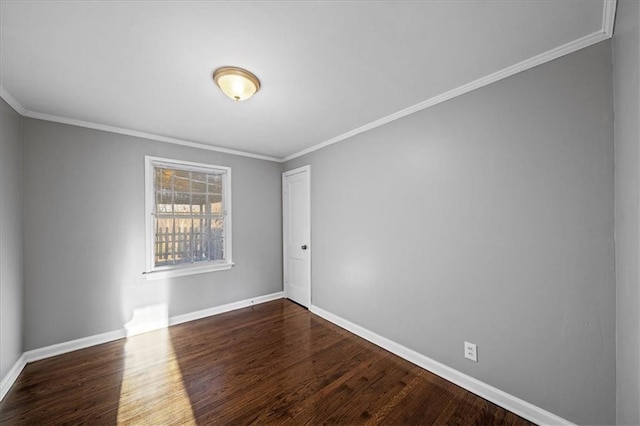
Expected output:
{"points": [[304, 247]]}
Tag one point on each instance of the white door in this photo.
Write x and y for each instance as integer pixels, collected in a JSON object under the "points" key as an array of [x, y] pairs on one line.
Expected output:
{"points": [[296, 213]]}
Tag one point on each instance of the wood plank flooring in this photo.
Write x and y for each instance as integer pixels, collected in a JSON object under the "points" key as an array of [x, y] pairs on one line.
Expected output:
{"points": [[274, 363]]}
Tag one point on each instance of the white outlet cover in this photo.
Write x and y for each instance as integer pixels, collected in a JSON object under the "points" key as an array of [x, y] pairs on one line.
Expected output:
{"points": [[471, 351]]}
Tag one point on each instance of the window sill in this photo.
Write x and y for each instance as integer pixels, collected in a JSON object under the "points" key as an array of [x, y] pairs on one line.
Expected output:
{"points": [[187, 270]]}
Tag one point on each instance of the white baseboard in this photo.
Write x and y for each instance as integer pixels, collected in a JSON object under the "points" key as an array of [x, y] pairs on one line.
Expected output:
{"points": [[488, 392], [12, 376], [73, 345], [85, 342], [179, 319]]}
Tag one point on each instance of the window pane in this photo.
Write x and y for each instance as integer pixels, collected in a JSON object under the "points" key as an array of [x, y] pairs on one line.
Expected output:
{"points": [[189, 222], [198, 182], [214, 179], [164, 243], [198, 199], [215, 203], [215, 241], [187, 240], [164, 198], [216, 208], [163, 179], [182, 181], [182, 208], [183, 236]]}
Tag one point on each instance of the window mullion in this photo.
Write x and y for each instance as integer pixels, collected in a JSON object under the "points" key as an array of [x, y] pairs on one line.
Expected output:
{"points": [[207, 214], [173, 221], [192, 257]]}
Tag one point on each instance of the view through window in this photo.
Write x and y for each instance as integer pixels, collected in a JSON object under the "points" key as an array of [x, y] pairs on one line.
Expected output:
{"points": [[189, 212]]}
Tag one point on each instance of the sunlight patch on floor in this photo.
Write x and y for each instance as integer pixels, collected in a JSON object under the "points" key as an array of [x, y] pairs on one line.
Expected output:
{"points": [[152, 390]]}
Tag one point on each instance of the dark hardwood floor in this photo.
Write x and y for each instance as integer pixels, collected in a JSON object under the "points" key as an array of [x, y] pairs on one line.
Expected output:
{"points": [[273, 363]]}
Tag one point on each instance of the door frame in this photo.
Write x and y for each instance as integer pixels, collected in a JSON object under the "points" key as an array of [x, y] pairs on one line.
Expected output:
{"points": [[285, 217]]}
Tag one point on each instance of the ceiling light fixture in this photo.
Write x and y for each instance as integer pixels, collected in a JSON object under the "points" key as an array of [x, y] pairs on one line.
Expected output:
{"points": [[237, 83]]}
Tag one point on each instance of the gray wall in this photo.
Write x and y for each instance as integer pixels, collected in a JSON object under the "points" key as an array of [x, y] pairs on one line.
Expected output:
{"points": [[488, 218], [84, 233], [11, 328], [626, 65]]}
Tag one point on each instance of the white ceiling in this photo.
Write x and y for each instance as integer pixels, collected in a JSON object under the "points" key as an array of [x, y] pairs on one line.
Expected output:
{"points": [[327, 68]]}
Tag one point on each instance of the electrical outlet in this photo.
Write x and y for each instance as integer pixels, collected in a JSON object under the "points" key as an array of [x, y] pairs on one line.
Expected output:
{"points": [[471, 351]]}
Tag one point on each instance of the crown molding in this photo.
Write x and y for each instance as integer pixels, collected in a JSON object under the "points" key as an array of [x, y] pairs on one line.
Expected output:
{"points": [[122, 131], [11, 101], [534, 61], [608, 21], [609, 17], [144, 135]]}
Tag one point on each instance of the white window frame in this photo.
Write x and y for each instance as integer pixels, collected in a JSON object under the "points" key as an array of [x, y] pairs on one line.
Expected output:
{"points": [[153, 272]]}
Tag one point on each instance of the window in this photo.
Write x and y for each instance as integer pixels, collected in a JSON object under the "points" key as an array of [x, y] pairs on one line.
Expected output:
{"points": [[188, 209]]}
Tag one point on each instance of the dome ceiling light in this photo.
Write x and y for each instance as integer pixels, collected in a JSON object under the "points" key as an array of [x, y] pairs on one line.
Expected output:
{"points": [[237, 83]]}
